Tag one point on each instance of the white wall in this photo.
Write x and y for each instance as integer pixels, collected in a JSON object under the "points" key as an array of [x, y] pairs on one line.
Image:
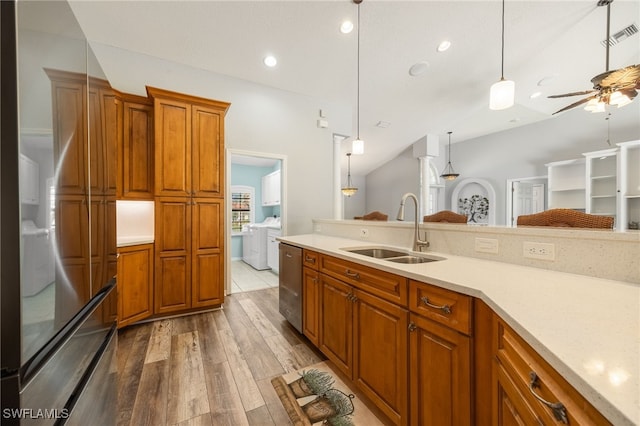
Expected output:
{"points": [[260, 119], [515, 153], [387, 184]]}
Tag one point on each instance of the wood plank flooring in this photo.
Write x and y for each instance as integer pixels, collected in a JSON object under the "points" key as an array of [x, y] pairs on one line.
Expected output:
{"points": [[210, 369]]}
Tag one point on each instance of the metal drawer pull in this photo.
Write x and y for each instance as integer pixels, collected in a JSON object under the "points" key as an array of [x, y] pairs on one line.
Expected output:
{"points": [[559, 411], [288, 254], [444, 308], [352, 274], [310, 259]]}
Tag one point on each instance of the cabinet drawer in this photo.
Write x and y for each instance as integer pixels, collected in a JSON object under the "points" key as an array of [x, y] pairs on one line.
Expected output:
{"points": [[521, 363], [310, 259], [441, 305], [383, 284]]}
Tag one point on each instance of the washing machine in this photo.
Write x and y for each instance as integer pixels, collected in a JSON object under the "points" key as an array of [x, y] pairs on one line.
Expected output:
{"points": [[254, 243]]}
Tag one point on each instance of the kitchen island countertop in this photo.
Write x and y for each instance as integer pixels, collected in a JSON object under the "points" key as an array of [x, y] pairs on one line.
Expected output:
{"points": [[587, 328]]}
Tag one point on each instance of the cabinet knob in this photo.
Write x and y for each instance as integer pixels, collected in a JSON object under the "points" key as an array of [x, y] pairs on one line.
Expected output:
{"points": [[412, 326]]}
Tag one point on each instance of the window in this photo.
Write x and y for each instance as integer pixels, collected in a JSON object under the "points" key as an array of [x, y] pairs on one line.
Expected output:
{"points": [[242, 207]]}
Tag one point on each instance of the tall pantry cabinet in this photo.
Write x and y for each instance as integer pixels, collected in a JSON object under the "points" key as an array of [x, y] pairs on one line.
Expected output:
{"points": [[189, 201]]}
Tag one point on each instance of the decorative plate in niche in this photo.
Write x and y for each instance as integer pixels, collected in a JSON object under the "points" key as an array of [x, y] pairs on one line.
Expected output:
{"points": [[476, 199]]}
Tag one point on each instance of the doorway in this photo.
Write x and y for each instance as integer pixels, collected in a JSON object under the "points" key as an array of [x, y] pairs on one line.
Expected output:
{"points": [[525, 196], [250, 268]]}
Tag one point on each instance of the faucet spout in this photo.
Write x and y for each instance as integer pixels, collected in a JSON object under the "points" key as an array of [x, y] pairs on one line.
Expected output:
{"points": [[417, 242]]}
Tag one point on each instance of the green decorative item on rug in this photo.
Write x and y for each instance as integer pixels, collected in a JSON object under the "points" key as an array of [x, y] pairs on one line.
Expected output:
{"points": [[311, 382]]}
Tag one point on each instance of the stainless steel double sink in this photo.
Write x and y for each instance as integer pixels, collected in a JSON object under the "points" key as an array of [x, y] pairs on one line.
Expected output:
{"points": [[393, 255]]}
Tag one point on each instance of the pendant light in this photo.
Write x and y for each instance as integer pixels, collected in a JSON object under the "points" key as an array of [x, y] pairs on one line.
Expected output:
{"points": [[357, 147], [502, 93], [349, 190], [448, 173]]}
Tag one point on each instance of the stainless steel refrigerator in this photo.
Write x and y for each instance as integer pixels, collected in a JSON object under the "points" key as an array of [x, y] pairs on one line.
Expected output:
{"points": [[57, 223]]}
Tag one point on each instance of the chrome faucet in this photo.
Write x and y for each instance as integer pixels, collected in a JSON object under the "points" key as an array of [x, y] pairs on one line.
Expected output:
{"points": [[417, 242]]}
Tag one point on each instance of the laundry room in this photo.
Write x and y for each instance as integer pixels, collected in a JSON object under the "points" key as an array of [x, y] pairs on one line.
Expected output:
{"points": [[255, 217]]}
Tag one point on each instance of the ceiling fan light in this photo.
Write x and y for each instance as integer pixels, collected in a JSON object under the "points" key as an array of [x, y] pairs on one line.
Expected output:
{"points": [[619, 99], [502, 94], [595, 105], [357, 147]]}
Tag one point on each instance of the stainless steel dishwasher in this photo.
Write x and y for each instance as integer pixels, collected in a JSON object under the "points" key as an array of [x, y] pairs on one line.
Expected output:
{"points": [[290, 277]]}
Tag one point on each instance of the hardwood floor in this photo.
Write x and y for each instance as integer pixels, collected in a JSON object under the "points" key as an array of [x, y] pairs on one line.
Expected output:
{"points": [[213, 368]]}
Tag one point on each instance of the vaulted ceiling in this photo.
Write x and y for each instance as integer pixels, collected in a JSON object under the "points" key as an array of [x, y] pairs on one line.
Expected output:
{"points": [[550, 47]]}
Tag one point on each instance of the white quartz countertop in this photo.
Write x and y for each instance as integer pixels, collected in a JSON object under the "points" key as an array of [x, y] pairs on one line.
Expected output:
{"points": [[587, 328], [134, 240]]}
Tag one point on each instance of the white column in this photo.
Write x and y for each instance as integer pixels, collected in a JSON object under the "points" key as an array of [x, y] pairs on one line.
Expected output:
{"points": [[338, 211], [424, 186]]}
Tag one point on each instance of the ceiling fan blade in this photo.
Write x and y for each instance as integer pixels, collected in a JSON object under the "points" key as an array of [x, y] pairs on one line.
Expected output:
{"points": [[584, 92], [575, 104], [620, 78]]}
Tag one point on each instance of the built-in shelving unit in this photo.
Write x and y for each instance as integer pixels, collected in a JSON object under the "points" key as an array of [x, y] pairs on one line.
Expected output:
{"points": [[602, 182], [567, 184], [629, 168]]}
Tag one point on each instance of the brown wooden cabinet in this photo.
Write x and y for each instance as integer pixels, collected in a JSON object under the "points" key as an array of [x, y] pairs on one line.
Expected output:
{"points": [[189, 195], [189, 145], [527, 390], [135, 283], [85, 117], [311, 297], [136, 150], [366, 338], [440, 382], [440, 356]]}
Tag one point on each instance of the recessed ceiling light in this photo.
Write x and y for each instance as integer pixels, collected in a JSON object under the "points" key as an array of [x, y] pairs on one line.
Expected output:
{"points": [[419, 68], [346, 27], [270, 61], [535, 95], [446, 44]]}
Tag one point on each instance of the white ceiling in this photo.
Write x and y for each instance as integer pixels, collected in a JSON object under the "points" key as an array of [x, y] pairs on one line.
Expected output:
{"points": [[558, 39]]}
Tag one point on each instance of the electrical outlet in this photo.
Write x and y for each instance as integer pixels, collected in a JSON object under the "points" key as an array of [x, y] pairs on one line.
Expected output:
{"points": [[541, 251], [364, 233], [318, 228], [486, 245]]}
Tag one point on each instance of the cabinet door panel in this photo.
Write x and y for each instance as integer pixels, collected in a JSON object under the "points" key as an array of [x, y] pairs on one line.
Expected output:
{"points": [[208, 280], [511, 407], [173, 225], [135, 284], [311, 304], [207, 252], [137, 159], [172, 292], [440, 383], [207, 221], [111, 119], [69, 137], [380, 354], [96, 146], [173, 148], [336, 326], [207, 152]]}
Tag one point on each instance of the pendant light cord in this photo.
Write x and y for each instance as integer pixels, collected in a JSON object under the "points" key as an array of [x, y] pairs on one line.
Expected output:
{"points": [[502, 58], [358, 79]]}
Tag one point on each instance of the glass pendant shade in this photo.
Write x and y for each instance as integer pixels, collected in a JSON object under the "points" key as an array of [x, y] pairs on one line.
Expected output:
{"points": [[502, 94], [357, 147], [349, 190], [619, 99], [448, 173]]}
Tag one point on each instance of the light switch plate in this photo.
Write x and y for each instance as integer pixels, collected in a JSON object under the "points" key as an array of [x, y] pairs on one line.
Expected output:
{"points": [[486, 245]]}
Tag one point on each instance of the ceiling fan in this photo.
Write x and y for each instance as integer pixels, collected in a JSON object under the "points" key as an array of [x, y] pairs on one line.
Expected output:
{"points": [[616, 87]]}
